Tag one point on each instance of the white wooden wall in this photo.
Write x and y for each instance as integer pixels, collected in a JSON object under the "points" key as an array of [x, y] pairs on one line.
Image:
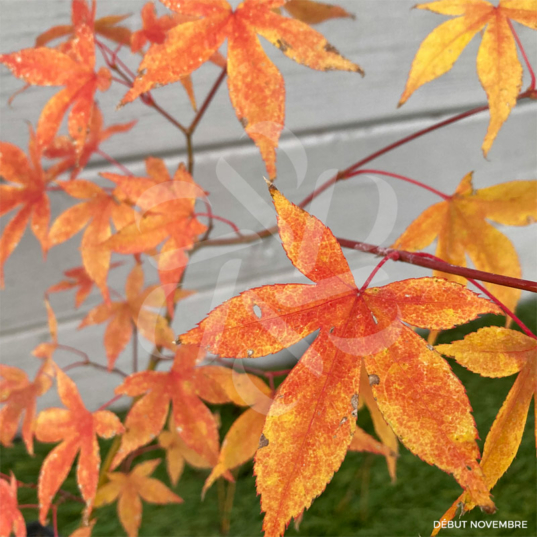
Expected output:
{"points": [[333, 119]]}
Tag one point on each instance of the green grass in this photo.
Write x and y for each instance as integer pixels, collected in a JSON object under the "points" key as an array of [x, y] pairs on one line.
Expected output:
{"points": [[359, 501]]}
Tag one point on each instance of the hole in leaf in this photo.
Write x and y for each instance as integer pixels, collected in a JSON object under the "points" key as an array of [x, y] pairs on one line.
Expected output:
{"points": [[257, 311]]}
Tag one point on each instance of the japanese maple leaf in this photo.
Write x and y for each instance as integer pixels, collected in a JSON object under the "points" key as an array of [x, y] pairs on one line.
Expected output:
{"points": [[311, 423], [74, 69], [244, 436], [96, 212], [498, 66], [154, 30], [129, 489], [180, 386], [18, 395], [498, 352], [178, 453], [81, 13], [64, 148], [77, 277], [168, 216], [389, 445], [11, 519], [256, 87], [84, 530], [46, 350], [123, 316], [312, 12], [77, 429], [461, 227], [27, 188]]}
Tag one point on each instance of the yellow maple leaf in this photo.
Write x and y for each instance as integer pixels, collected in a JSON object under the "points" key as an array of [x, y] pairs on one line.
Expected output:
{"points": [[498, 66]]}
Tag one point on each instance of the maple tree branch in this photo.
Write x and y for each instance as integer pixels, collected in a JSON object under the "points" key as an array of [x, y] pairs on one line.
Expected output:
{"points": [[207, 101], [497, 301], [523, 52], [111, 402], [401, 178], [417, 258], [402, 141], [86, 361]]}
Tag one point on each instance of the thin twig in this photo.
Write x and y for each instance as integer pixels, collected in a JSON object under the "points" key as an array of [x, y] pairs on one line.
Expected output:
{"points": [[207, 101]]}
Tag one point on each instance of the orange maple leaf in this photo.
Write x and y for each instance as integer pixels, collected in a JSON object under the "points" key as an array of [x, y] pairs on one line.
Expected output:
{"points": [[244, 436], [128, 489], [312, 420], [28, 188], [312, 12], [460, 225], [19, 396], [75, 69], [77, 277], [77, 428], [388, 446], [178, 453], [256, 87], [154, 30], [134, 311], [64, 148], [99, 208], [168, 216], [11, 519], [498, 66], [180, 386], [84, 530], [498, 352], [81, 13]]}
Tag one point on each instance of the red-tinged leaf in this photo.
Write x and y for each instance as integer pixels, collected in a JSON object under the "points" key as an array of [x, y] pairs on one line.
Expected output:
{"points": [[123, 316], [65, 149], [99, 209], [498, 66], [168, 215], [312, 12], [28, 190], [128, 489], [18, 396], [76, 278], [461, 227], [11, 519], [256, 86], [498, 352], [177, 453], [73, 69], [194, 422], [315, 408], [77, 429]]}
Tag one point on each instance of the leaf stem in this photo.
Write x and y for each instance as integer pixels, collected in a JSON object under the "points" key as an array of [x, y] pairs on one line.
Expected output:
{"points": [[111, 402], [393, 255], [401, 178], [220, 219], [134, 348], [207, 101], [523, 52], [113, 161]]}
